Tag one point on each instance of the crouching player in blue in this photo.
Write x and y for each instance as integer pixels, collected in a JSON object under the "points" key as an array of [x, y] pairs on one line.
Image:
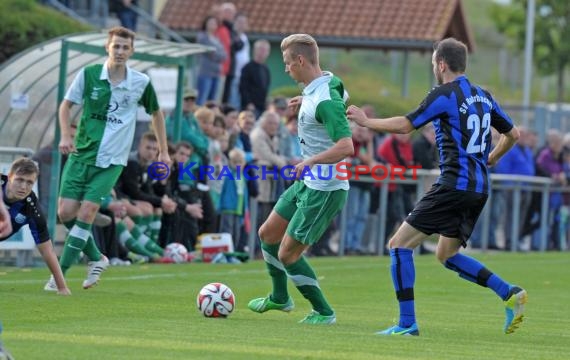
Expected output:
{"points": [[462, 114], [23, 207]]}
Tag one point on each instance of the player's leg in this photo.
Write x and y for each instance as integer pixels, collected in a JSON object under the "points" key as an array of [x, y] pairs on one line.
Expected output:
{"points": [[461, 223], [72, 190], [474, 271], [79, 202], [435, 211], [143, 221], [154, 225], [100, 182], [67, 212], [140, 210], [79, 237], [271, 234], [466, 215], [316, 210], [145, 237], [469, 268], [124, 228], [403, 274], [97, 261], [305, 279], [85, 217]]}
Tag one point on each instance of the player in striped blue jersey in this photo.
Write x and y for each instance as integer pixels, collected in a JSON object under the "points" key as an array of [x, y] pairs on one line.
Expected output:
{"points": [[462, 114]]}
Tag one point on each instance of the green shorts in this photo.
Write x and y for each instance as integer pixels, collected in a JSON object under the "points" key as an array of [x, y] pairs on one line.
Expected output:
{"points": [[309, 211], [80, 181]]}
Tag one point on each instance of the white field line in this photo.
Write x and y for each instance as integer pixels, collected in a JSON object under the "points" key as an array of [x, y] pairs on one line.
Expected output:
{"points": [[232, 271]]}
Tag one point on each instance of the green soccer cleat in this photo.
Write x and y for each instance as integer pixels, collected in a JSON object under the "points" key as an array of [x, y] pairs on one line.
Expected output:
{"points": [[264, 304], [514, 308], [316, 318]]}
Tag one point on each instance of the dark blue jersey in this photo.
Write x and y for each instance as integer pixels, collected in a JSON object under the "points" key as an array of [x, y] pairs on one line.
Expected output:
{"points": [[26, 212], [462, 115]]}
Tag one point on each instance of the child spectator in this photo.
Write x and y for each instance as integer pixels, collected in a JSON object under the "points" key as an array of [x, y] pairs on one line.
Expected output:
{"points": [[233, 199], [216, 185]]}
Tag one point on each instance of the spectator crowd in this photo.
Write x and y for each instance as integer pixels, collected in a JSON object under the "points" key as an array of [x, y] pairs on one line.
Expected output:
{"points": [[229, 122]]}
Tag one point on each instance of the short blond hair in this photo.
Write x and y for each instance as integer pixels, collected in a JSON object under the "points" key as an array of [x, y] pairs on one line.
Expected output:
{"points": [[301, 44], [203, 114]]}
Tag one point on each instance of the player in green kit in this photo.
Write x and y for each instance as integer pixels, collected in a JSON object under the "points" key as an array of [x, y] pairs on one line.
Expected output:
{"points": [[306, 209], [110, 94]]}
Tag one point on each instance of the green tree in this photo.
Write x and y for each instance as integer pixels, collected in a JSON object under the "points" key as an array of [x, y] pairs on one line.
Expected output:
{"points": [[24, 23], [551, 34]]}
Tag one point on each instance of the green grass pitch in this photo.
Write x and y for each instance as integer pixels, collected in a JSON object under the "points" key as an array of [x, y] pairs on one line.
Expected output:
{"points": [[149, 312]]}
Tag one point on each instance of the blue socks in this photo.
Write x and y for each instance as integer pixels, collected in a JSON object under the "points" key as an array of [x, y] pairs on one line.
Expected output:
{"points": [[472, 270], [403, 277]]}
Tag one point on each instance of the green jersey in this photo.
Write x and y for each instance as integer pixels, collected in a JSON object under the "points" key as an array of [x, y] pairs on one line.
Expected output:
{"points": [[107, 128], [322, 122]]}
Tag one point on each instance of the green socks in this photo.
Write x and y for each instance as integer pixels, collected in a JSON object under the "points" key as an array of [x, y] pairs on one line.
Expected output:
{"points": [[128, 241], [305, 279], [302, 275], [91, 250], [276, 271], [75, 242], [154, 227], [146, 242]]}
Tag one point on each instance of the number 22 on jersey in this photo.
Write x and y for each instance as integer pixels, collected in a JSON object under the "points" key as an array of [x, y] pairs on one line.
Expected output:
{"points": [[480, 130]]}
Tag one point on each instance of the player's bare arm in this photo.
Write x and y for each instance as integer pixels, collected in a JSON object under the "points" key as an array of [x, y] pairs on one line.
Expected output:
{"points": [[341, 149], [506, 142], [66, 145], [160, 132], [397, 124], [46, 250], [5, 223]]}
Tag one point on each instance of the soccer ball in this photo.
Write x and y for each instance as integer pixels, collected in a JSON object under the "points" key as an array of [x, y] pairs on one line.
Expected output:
{"points": [[216, 300], [177, 252]]}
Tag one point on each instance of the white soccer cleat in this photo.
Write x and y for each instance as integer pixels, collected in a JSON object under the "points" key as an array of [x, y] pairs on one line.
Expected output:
{"points": [[51, 285], [94, 270]]}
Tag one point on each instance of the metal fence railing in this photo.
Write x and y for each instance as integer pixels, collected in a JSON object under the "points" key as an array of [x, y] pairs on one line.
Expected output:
{"points": [[516, 184], [499, 182]]}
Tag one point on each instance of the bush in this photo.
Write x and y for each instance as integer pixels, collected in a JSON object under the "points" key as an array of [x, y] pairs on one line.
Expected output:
{"points": [[26, 23]]}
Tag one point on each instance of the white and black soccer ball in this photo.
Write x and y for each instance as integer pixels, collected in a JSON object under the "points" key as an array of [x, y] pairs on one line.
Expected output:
{"points": [[177, 252], [216, 300]]}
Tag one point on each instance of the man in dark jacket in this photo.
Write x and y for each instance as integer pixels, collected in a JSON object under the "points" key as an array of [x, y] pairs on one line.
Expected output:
{"points": [[255, 79]]}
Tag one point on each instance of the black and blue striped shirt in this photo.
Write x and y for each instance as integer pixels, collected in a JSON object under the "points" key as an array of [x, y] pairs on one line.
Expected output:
{"points": [[462, 114]]}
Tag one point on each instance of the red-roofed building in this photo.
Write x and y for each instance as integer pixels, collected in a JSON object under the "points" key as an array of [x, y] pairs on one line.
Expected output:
{"points": [[406, 25]]}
